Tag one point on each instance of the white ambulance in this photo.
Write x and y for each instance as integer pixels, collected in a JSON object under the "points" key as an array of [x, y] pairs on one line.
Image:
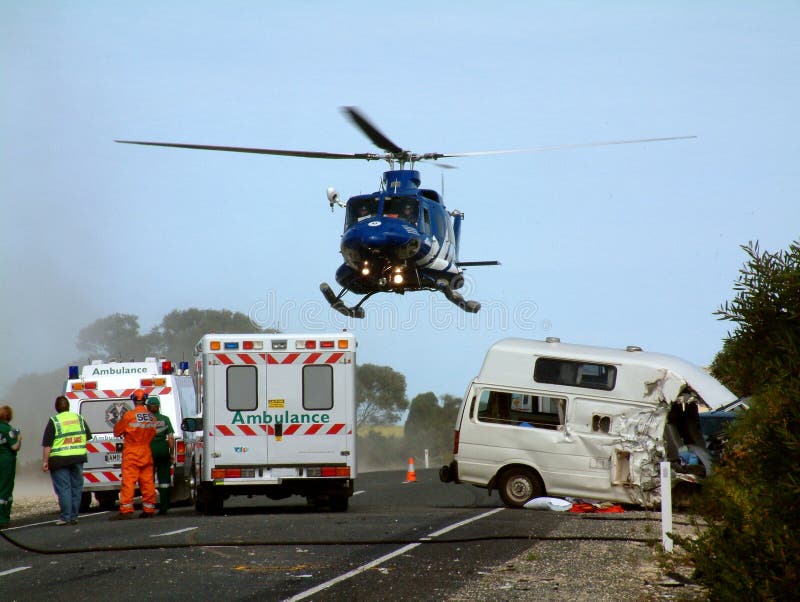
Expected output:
{"points": [[278, 418], [100, 392], [550, 418]]}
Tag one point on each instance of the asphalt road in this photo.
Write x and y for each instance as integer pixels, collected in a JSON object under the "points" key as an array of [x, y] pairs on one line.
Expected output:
{"points": [[411, 541]]}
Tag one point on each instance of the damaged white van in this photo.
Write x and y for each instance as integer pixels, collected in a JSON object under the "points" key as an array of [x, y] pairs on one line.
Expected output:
{"points": [[550, 418]]}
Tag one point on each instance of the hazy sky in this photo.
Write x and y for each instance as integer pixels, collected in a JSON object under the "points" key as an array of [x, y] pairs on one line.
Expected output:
{"points": [[612, 246]]}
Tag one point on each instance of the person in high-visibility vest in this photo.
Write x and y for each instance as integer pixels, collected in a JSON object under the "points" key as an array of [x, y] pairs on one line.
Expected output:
{"points": [[10, 440], [163, 449], [63, 456], [137, 427]]}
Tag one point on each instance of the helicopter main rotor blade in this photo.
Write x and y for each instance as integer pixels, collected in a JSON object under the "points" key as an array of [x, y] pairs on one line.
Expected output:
{"points": [[261, 151], [550, 148], [378, 138]]}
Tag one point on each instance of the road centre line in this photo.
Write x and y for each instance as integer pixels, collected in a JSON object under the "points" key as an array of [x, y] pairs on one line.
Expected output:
{"points": [[382, 559], [174, 532], [16, 570]]}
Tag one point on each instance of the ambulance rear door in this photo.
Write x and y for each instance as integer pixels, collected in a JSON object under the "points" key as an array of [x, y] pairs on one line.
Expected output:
{"points": [[235, 411], [310, 408]]}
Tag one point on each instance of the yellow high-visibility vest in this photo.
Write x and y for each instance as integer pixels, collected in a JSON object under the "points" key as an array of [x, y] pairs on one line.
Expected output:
{"points": [[70, 435]]}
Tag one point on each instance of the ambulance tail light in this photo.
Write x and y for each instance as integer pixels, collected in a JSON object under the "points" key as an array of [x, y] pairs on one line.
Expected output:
{"points": [[167, 367], [455, 441], [160, 381], [145, 382], [73, 372], [327, 344], [329, 471], [180, 452], [305, 345], [77, 386], [226, 473], [90, 385], [343, 344]]}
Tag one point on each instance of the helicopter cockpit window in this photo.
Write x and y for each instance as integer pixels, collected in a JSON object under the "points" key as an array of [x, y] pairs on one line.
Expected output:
{"points": [[361, 209], [405, 208]]}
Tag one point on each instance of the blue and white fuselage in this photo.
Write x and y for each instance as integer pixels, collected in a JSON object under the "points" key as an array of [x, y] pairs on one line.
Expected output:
{"points": [[399, 238]]}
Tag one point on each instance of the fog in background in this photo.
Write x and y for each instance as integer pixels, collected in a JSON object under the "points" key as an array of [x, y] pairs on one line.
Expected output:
{"points": [[634, 244]]}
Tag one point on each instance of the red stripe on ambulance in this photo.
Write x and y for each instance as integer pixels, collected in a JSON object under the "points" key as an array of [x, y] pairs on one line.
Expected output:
{"points": [[246, 430], [101, 476], [97, 448]]}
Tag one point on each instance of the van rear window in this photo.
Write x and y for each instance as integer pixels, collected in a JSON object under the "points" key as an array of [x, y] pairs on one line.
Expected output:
{"points": [[574, 374]]}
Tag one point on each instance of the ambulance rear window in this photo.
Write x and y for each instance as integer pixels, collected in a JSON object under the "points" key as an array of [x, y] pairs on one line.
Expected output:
{"points": [[242, 388], [101, 415], [317, 387]]}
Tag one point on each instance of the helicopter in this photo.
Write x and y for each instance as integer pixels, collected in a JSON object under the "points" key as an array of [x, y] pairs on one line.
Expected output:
{"points": [[400, 238]]}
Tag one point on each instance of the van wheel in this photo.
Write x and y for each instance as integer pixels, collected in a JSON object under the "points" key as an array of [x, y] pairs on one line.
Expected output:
{"points": [[518, 485]]}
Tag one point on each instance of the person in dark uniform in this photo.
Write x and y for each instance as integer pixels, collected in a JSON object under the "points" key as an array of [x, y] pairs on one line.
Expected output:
{"points": [[10, 440], [163, 448]]}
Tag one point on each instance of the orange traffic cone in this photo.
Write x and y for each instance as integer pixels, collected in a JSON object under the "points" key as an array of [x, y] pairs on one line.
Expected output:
{"points": [[411, 474]]}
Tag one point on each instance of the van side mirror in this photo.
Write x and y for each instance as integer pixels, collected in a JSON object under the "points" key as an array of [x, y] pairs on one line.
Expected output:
{"points": [[192, 424]]}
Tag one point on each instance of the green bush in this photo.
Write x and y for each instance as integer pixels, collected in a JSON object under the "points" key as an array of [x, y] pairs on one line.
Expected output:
{"points": [[751, 548]]}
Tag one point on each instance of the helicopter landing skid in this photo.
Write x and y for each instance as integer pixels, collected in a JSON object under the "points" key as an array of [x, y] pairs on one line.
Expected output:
{"points": [[336, 302], [471, 307]]}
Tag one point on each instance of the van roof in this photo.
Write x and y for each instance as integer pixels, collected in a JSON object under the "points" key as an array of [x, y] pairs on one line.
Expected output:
{"points": [[516, 355]]}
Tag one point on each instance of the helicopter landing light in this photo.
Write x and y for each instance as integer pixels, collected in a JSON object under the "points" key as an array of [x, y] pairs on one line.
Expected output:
{"points": [[365, 271], [382, 281]]}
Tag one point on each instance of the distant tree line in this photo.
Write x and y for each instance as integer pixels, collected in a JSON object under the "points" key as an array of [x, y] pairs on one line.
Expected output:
{"points": [[380, 390]]}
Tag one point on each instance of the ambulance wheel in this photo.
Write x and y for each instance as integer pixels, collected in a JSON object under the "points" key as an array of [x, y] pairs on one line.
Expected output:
{"points": [[339, 503], [86, 501], [107, 500], [517, 485]]}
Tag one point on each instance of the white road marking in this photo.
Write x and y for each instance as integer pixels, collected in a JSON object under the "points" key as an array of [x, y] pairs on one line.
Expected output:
{"points": [[357, 492], [382, 559], [53, 522], [16, 570], [174, 532]]}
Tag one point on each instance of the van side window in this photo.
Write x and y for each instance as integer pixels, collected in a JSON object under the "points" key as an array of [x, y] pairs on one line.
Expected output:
{"points": [[575, 374], [242, 392], [521, 409], [317, 387]]}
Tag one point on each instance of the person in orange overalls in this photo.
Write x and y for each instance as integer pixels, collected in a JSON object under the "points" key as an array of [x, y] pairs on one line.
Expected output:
{"points": [[137, 427]]}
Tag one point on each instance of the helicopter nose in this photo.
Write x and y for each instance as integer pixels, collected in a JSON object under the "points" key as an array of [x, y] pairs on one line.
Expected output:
{"points": [[384, 238]]}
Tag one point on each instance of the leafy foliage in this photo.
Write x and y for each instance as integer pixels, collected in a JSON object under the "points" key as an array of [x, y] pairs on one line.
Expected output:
{"points": [[765, 348], [751, 551], [380, 395], [116, 335], [430, 425], [180, 330]]}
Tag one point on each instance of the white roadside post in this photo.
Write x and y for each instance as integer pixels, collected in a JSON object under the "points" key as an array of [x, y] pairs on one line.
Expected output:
{"points": [[426, 459], [666, 506]]}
